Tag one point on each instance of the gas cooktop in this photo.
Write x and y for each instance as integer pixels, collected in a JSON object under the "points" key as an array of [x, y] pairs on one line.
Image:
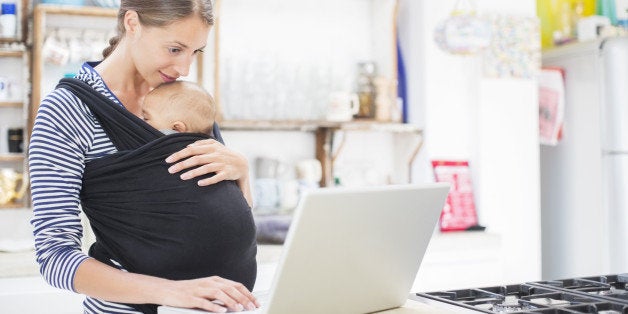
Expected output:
{"points": [[607, 294]]}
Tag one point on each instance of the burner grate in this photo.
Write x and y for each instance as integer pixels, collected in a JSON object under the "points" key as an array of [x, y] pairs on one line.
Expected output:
{"points": [[606, 294]]}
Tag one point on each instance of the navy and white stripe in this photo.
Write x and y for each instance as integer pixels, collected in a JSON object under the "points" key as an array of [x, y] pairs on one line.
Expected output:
{"points": [[65, 136]]}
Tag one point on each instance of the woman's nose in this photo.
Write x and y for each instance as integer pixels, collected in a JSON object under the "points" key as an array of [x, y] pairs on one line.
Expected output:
{"points": [[182, 66]]}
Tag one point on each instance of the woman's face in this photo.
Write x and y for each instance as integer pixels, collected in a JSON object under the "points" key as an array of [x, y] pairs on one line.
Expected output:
{"points": [[163, 54]]}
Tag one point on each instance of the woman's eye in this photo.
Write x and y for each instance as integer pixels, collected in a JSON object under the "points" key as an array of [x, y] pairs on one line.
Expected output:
{"points": [[174, 50]]}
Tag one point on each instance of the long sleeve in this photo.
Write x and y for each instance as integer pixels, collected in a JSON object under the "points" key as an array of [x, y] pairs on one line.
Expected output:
{"points": [[63, 135]]}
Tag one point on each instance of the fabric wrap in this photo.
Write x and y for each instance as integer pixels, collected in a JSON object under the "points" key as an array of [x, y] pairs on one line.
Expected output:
{"points": [[152, 222]]}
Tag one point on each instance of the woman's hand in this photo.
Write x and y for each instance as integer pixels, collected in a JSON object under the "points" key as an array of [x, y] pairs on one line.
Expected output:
{"points": [[214, 294], [207, 156]]}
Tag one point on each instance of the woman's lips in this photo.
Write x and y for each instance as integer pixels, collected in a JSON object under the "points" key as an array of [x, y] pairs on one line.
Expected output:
{"points": [[167, 78]]}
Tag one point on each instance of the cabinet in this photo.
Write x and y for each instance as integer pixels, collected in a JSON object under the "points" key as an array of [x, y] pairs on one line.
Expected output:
{"points": [[14, 94]]}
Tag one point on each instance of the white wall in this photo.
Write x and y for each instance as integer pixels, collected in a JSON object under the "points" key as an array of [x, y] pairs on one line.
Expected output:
{"points": [[490, 122]]}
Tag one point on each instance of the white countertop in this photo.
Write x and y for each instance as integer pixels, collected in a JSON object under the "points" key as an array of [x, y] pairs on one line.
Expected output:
{"points": [[17, 293]]}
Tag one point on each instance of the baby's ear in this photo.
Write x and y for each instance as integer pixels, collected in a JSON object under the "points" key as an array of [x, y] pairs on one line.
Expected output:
{"points": [[179, 126]]}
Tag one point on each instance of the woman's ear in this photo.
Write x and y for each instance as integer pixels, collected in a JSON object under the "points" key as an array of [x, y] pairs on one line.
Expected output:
{"points": [[179, 126], [131, 22]]}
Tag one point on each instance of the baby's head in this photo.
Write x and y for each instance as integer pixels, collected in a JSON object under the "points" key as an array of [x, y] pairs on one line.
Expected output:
{"points": [[180, 106]]}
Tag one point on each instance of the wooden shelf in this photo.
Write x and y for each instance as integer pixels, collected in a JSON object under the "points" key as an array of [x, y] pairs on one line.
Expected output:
{"points": [[324, 132], [270, 125], [5, 40], [14, 104], [77, 10], [12, 157], [306, 125], [10, 53], [367, 125]]}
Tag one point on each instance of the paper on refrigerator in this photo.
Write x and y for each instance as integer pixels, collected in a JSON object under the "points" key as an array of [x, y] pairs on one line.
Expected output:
{"points": [[551, 105]]}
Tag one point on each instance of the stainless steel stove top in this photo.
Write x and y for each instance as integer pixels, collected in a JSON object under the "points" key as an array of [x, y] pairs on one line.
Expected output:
{"points": [[607, 294]]}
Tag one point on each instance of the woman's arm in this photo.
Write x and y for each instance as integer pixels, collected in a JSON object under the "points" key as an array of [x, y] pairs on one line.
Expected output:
{"points": [[209, 156], [101, 281], [56, 163]]}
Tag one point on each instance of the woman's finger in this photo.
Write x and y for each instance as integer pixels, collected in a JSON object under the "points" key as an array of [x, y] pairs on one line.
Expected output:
{"points": [[220, 176], [221, 298], [197, 148], [204, 142], [230, 294], [207, 168], [207, 305], [240, 294], [194, 161]]}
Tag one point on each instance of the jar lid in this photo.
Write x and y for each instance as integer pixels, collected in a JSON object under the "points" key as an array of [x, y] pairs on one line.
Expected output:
{"points": [[8, 8]]}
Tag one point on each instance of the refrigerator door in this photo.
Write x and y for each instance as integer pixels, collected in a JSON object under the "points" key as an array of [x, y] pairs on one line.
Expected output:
{"points": [[614, 86], [616, 201], [574, 224]]}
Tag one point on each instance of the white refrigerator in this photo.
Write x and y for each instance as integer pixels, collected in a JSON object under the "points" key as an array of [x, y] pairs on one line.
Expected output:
{"points": [[584, 179]]}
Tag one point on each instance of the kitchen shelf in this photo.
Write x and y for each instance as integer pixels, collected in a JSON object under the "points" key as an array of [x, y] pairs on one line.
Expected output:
{"points": [[15, 64], [324, 132], [12, 157], [40, 24], [11, 104], [372, 36], [76, 10], [11, 53], [307, 125], [269, 125]]}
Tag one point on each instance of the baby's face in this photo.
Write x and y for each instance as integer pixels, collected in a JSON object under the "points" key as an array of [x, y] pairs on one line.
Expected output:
{"points": [[154, 115]]}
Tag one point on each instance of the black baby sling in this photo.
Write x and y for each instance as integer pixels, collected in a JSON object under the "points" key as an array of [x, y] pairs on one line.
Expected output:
{"points": [[150, 221]]}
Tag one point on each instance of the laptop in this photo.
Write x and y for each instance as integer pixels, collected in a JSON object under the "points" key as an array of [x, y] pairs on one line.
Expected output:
{"points": [[352, 250]]}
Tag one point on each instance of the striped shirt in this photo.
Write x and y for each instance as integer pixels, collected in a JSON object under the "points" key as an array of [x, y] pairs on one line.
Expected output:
{"points": [[65, 136]]}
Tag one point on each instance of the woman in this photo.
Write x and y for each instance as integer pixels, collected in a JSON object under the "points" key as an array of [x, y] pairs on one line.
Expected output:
{"points": [[156, 43]]}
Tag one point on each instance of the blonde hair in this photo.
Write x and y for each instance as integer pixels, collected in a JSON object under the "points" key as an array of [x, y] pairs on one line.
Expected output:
{"points": [[187, 102], [159, 13]]}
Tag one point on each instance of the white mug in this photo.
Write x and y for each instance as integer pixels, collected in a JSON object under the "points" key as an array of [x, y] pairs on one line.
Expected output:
{"points": [[309, 170], [342, 106]]}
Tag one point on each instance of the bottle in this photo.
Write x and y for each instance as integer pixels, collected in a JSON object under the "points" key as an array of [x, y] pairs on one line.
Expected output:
{"points": [[8, 20], [16, 140], [621, 8], [383, 99], [607, 8], [366, 90]]}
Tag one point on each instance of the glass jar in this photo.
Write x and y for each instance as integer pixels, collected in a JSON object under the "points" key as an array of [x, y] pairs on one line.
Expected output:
{"points": [[366, 90]]}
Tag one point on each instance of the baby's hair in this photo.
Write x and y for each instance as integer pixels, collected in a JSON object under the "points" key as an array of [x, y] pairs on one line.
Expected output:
{"points": [[188, 100]]}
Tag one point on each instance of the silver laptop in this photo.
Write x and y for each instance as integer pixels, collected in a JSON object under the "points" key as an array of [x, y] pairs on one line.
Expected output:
{"points": [[352, 250]]}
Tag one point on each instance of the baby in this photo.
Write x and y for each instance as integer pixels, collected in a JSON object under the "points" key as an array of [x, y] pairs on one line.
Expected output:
{"points": [[180, 106]]}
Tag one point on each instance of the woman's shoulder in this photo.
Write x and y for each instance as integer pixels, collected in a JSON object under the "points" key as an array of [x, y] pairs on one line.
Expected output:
{"points": [[63, 103], [63, 100]]}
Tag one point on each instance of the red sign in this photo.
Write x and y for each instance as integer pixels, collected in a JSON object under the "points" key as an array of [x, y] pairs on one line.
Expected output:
{"points": [[459, 211]]}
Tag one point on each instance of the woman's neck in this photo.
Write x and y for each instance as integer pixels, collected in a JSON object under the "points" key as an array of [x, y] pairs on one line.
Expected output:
{"points": [[122, 78]]}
